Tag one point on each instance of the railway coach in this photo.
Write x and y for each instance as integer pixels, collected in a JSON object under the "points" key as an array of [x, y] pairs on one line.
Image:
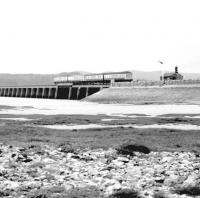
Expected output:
{"points": [[76, 79], [109, 77], [98, 78]]}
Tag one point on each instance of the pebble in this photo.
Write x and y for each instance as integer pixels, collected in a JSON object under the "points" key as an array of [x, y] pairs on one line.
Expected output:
{"points": [[33, 169]]}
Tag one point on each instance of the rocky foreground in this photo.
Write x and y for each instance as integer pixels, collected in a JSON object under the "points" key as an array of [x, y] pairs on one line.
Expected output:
{"points": [[48, 171]]}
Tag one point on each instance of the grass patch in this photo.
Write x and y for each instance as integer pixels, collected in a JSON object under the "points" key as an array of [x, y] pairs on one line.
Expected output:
{"points": [[125, 193], [37, 140], [191, 191], [130, 149]]}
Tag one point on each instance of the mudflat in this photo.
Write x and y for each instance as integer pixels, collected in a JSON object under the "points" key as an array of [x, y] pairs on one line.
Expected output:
{"points": [[34, 129]]}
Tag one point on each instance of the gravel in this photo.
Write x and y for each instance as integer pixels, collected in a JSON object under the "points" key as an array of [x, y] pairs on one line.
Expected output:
{"points": [[48, 171]]}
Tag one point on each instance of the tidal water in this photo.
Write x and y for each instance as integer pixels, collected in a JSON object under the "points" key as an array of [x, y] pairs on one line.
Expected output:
{"points": [[187, 127], [28, 106]]}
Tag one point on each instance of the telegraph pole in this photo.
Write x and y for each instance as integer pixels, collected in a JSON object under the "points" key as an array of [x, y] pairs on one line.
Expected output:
{"points": [[162, 73]]}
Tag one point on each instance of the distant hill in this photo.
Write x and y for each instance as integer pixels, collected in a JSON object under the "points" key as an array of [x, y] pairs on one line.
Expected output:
{"points": [[32, 79], [187, 76], [47, 79], [141, 75]]}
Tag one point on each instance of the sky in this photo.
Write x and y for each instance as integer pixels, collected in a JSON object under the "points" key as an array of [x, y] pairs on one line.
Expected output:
{"points": [[53, 36]]}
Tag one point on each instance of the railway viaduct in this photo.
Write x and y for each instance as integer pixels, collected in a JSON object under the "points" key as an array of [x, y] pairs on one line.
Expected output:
{"points": [[74, 92]]}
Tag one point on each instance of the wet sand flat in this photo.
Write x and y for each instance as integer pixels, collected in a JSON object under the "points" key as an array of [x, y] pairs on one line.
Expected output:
{"points": [[27, 106]]}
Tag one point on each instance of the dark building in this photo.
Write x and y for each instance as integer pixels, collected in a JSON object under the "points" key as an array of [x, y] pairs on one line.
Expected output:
{"points": [[172, 75]]}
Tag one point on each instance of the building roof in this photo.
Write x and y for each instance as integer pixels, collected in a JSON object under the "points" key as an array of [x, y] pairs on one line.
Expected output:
{"points": [[169, 74]]}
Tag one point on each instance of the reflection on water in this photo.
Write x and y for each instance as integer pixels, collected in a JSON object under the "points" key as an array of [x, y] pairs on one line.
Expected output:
{"points": [[195, 117], [17, 119], [153, 126]]}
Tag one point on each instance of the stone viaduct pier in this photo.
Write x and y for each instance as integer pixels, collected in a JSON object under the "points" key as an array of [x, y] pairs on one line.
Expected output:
{"points": [[73, 92]]}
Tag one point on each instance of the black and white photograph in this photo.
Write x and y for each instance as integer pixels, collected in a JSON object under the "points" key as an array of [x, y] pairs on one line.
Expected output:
{"points": [[100, 99]]}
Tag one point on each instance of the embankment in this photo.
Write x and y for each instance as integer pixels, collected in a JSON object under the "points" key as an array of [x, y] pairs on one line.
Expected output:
{"points": [[130, 95]]}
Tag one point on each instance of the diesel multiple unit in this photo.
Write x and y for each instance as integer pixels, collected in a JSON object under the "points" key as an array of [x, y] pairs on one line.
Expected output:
{"points": [[100, 78]]}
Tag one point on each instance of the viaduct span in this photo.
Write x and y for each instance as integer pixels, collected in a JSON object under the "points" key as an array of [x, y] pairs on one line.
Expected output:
{"points": [[73, 92]]}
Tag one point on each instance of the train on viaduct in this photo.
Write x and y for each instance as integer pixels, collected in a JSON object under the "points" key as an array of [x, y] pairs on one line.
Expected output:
{"points": [[74, 87]]}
